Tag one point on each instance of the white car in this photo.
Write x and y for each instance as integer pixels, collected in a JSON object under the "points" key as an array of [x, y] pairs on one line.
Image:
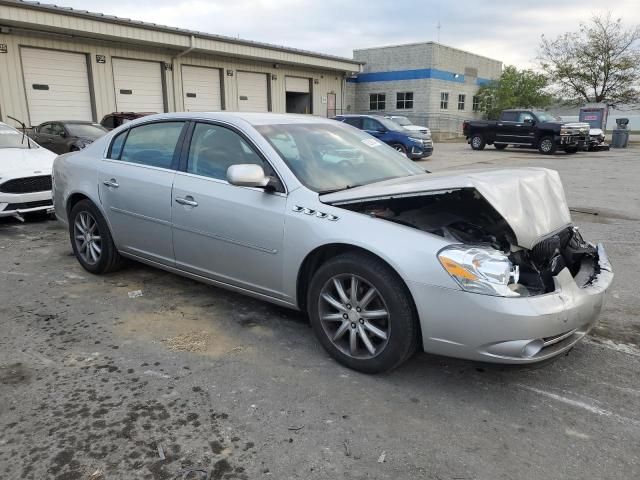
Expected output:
{"points": [[25, 175], [405, 123]]}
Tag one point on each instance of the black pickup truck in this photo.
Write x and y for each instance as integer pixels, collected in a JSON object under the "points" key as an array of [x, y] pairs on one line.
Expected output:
{"points": [[529, 129]]}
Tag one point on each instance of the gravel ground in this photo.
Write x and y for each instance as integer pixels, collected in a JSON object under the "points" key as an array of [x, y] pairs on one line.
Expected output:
{"points": [[99, 382]]}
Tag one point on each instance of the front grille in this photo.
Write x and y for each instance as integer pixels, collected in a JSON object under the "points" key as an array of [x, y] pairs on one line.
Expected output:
{"points": [[27, 185], [26, 205]]}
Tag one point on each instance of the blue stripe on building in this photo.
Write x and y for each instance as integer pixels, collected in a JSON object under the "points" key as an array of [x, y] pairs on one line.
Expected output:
{"points": [[417, 74]]}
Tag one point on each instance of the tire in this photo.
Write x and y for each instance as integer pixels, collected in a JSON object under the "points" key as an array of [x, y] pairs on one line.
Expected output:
{"points": [[399, 148], [477, 142], [547, 145], [500, 146], [85, 217], [571, 150], [399, 326]]}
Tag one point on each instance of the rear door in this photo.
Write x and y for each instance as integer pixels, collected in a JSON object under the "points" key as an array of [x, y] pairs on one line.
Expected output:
{"points": [[135, 184], [506, 128], [221, 231]]}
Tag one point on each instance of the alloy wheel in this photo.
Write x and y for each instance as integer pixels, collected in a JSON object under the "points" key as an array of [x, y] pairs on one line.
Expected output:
{"points": [[546, 145], [354, 316], [476, 141], [398, 148], [87, 237]]}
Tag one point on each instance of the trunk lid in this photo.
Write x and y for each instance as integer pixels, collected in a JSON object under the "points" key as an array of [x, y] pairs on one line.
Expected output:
{"points": [[531, 200]]}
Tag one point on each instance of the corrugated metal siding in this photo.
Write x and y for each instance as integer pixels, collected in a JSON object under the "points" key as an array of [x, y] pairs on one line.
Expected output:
{"points": [[12, 92]]}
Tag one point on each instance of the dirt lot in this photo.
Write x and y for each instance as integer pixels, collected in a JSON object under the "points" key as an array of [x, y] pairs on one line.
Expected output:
{"points": [[96, 382]]}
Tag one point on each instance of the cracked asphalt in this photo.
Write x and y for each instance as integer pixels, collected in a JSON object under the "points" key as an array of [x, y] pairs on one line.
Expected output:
{"points": [[191, 381]]}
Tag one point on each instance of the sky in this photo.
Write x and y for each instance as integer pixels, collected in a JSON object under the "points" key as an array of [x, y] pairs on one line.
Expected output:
{"points": [[506, 30]]}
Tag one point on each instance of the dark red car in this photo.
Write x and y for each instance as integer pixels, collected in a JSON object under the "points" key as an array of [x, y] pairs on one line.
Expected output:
{"points": [[115, 119]]}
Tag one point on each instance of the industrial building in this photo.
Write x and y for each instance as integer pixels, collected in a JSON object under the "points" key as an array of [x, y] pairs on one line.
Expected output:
{"points": [[432, 84], [60, 63]]}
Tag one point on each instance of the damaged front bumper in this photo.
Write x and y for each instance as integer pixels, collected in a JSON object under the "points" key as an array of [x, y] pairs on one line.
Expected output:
{"points": [[507, 329]]}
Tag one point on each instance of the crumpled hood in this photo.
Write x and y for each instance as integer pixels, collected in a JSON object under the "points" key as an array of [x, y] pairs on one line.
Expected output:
{"points": [[17, 161], [531, 200]]}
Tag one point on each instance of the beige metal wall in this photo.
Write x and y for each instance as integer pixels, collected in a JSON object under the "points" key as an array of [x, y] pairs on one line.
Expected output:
{"points": [[12, 88]]}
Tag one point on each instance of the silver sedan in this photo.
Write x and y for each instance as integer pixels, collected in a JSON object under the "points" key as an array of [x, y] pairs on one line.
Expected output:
{"points": [[316, 215]]}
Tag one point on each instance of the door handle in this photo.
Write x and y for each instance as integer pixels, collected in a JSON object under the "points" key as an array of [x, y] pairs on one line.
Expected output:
{"points": [[188, 200], [499, 124], [111, 183]]}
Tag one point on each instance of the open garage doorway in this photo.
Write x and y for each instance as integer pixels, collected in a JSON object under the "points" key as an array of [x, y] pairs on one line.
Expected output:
{"points": [[298, 95]]}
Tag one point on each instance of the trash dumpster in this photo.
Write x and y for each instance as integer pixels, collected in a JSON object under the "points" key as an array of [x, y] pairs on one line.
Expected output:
{"points": [[620, 138]]}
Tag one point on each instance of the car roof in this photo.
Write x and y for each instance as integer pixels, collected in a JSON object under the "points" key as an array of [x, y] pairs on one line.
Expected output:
{"points": [[360, 115], [253, 118], [83, 122]]}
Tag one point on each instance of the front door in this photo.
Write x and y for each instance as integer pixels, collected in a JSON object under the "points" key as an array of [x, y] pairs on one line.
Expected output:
{"points": [[221, 231], [135, 189]]}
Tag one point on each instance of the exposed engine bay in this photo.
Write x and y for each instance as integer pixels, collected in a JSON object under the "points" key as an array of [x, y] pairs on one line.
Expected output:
{"points": [[465, 216]]}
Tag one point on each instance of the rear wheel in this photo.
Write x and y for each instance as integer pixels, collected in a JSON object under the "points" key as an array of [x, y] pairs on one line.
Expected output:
{"points": [[500, 146], [477, 142], [547, 146], [362, 313], [91, 240]]}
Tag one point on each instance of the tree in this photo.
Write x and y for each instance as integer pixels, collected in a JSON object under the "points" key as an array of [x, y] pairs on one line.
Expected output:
{"points": [[514, 89], [598, 63]]}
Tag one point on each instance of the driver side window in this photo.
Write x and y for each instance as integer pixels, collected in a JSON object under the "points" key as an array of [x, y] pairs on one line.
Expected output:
{"points": [[525, 116], [214, 149]]}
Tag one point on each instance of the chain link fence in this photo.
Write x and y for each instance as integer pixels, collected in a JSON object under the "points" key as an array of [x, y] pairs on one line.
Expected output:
{"points": [[443, 126]]}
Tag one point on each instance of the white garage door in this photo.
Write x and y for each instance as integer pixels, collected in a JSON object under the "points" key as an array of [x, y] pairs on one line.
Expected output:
{"points": [[138, 86], [296, 84], [57, 85], [252, 92], [201, 89]]}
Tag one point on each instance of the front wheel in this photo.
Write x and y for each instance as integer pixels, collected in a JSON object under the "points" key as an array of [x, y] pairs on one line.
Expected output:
{"points": [[362, 313], [398, 147], [91, 240], [547, 146], [477, 142]]}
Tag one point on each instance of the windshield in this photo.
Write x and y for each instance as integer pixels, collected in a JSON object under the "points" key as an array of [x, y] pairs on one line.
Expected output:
{"points": [[546, 117], [390, 124], [404, 121], [328, 157], [11, 138], [85, 129]]}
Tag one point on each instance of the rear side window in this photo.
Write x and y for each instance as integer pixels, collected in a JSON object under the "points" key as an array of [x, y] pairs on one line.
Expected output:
{"points": [[153, 144], [108, 122], [354, 121], [116, 146], [510, 116], [46, 129]]}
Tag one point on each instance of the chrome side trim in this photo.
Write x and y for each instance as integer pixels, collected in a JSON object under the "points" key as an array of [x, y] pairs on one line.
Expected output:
{"points": [[225, 239], [558, 338], [310, 211], [140, 216]]}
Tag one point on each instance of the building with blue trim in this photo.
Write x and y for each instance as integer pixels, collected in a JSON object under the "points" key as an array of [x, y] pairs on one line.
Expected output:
{"points": [[430, 83]]}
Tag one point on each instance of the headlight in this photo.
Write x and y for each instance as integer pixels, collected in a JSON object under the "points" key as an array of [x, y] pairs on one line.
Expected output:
{"points": [[415, 140], [480, 270]]}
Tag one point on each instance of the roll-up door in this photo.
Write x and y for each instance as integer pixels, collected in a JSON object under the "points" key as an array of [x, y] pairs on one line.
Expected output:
{"points": [[253, 93], [138, 85], [57, 85], [201, 89], [296, 84]]}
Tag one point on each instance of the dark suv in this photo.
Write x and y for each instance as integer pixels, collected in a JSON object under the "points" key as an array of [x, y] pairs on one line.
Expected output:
{"points": [[115, 119], [414, 145]]}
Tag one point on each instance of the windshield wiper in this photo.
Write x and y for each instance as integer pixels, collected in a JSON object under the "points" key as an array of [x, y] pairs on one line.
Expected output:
{"points": [[334, 190], [24, 131]]}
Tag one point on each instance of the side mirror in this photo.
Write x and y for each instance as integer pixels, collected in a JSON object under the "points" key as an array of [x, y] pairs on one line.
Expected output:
{"points": [[63, 134], [529, 121], [247, 175]]}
